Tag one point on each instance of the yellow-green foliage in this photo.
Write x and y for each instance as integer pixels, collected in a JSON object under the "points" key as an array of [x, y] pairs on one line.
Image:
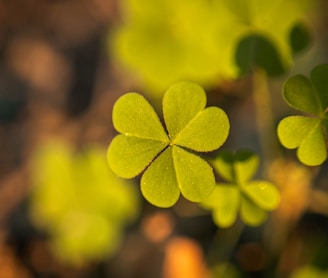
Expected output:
{"points": [[80, 202], [169, 160], [165, 41]]}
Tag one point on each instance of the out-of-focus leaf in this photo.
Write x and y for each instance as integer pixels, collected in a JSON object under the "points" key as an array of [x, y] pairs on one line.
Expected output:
{"points": [[252, 198], [161, 44], [238, 167], [79, 202], [225, 201], [251, 214], [264, 194]]}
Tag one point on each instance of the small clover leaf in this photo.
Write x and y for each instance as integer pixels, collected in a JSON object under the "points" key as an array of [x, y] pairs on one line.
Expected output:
{"points": [[169, 161], [253, 198], [306, 133]]}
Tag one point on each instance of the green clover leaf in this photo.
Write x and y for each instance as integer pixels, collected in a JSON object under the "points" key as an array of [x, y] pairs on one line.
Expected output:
{"points": [[253, 198], [169, 161], [306, 133]]}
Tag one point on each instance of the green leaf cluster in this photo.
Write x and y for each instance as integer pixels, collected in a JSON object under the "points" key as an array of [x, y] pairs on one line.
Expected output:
{"points": [[307, 133], [81, 204], [168, 158], [253, 198], [164, 41]]}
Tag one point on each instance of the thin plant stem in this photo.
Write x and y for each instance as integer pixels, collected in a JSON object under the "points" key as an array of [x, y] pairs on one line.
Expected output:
{"points": [[264, 117], [224, 243]]}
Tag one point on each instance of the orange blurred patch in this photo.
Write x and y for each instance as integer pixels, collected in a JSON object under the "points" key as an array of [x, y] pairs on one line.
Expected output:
{"points": [[294, 181], [158, 226], [9, 266], [38, 62], [184, 258]]}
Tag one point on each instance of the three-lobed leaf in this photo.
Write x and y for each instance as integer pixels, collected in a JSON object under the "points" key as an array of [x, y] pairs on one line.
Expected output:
{"points": [[170, 165], [306, 133], [252, 198]]}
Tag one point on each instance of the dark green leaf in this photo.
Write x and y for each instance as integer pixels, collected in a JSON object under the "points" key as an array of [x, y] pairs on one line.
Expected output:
{"points": [[300, 38], [256, 50], [299, 93], [319, 77]]}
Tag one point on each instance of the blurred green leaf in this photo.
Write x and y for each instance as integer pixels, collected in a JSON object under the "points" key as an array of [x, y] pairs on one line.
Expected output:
{"points": [[169, 167], [225, 269], [300, 37], [264, 194], [251, 214], [252, 198], [256, 50], [225, 201], [309, 271], [236, 167], [161, 45], [81, 204]]}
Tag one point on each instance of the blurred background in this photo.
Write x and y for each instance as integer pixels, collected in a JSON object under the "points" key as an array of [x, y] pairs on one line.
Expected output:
{"points": [[63, 64]]}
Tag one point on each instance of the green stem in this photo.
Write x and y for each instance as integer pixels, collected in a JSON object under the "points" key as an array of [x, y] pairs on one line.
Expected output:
{"points": [[264, 117], [224, 244]]}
